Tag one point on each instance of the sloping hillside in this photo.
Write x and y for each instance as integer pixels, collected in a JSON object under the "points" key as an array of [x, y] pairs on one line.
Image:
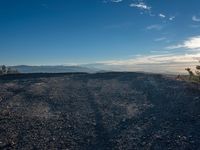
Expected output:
{"points": [[98, 111]]}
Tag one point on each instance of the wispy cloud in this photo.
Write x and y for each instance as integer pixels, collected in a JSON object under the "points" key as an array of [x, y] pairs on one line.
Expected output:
{"points": [[154, 27], [116, 1], [155, 63], [161, 15], [140, 5], [160, 39], [157, 59], [172, 18], [192, 43], [196, 19], [145, 9]]}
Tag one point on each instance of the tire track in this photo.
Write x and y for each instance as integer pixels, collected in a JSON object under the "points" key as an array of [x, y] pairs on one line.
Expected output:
{"points": [[103, 137]]}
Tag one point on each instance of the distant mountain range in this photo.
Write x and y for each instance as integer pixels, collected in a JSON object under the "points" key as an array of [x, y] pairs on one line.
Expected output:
{"points": [[54, 69], [86, 68]]}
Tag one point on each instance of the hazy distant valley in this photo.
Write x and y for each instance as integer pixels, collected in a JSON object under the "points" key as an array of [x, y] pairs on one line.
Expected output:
{"points": [[54, 69]]}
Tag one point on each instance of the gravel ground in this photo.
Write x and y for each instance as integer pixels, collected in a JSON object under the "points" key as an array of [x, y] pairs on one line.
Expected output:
{"points": [[100, 111]]}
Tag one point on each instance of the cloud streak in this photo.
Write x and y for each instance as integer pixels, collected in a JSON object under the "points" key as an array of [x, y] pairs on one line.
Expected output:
{"points": [[192, 43], [195, 18], [140, 5], [157, 59], [162, 63], [162, 15], [116, 1], [154, 27], [172, 18], [160, 39]]}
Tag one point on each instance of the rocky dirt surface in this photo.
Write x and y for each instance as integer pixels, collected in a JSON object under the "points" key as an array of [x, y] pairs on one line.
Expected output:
{"points": [[100, 111]]}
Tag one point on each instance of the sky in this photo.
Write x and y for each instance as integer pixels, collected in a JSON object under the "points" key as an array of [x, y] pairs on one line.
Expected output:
{"points": [[129, 35]]}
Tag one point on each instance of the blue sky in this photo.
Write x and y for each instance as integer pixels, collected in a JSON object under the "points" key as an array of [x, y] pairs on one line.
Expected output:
{"points": [[115, 34]]}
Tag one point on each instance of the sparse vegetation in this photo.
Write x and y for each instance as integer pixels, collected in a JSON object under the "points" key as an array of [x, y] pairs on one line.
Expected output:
{"points": [[7, 70], [198, 71], [194, 76], [191, 74]]}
